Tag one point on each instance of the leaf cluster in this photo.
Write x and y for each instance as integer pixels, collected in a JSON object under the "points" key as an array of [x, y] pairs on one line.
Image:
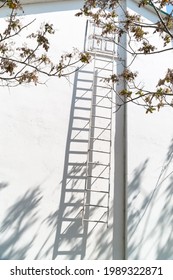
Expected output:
{"points": [[138, 32], [22, 61]]}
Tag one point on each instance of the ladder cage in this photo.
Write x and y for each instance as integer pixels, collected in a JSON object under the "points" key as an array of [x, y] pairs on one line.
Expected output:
{"points": [[95, 41]]}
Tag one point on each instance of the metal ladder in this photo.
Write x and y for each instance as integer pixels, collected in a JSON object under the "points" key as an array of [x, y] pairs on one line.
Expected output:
{"points": [[98, 165]]}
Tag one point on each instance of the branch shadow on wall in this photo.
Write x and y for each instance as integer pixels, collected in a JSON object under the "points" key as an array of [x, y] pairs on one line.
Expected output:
{"points": [[21, 216], [3, 185], [154, 216], [134, 215]]}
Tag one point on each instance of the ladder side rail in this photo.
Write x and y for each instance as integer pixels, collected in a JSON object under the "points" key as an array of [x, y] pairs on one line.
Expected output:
{"points": [[110, 147], [88, 166]]}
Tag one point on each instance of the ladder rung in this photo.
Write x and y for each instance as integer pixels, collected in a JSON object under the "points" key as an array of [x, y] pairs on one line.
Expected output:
{"points": [[103, 38], [67, 235], [100, 106], [75, 190], [86, 89], [95, 205], [98, 127], [97, 76], [81, 118], [78, 152], [98, 95], [77, 164], [74, 204], [97, 163], [71, 219], [110, 61], [90, 190], [84, 71], [69, 252], [95, 221], [79, 141], [82, 108], [84, 80], [102, 87], [80, 128], [102, 68], [76, 177], [99, 52], [98, 177], [100, 139], [97, 151], [101, 117], [83, 98]]}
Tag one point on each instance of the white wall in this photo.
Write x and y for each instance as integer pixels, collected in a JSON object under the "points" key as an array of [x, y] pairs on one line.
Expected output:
{"points": [[149, 206], [36, 128]]}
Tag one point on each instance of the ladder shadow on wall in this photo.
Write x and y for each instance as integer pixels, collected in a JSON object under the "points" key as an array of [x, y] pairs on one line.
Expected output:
{"points": [[71, 234]]}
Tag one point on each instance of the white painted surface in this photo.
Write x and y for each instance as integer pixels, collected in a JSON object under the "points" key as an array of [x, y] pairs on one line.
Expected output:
{"points": [[149, 189], [34, 155], [36, 126]]}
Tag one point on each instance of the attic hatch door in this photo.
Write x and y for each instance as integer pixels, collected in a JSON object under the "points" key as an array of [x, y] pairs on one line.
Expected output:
{"points": [[95, 41]]}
